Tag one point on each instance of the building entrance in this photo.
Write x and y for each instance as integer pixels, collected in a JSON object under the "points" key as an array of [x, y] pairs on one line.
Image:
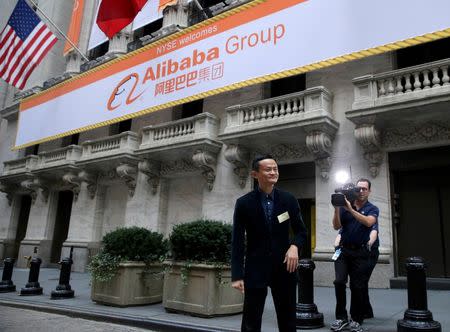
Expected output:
{"points": [[62, 221], [299, 180], [22, 223], [421, 213]]}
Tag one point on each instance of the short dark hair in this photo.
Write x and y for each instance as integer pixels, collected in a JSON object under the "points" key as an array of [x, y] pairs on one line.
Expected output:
{"points": [[258, 158], [364, 180]]}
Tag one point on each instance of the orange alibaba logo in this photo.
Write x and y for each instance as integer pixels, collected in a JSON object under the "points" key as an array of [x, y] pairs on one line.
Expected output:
{"points": [[126, 87]]}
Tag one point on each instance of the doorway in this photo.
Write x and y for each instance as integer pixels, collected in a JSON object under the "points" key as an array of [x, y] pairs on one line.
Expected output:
{"points": [[62, 221], [299, 179], [22, 223], [421, 203]]}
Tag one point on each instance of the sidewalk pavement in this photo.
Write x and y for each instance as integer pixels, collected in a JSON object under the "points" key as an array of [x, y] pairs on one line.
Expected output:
{"points": [[389, 306]]}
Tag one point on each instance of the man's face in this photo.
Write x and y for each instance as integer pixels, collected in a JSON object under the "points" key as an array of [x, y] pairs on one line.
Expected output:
{"points": [[267, 173], [363, 195]]}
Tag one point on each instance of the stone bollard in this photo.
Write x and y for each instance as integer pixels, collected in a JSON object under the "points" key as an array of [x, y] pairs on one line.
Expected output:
{"points": [[33, 287], [6, 285], [64, 290], [417, 317], [307, 315]]}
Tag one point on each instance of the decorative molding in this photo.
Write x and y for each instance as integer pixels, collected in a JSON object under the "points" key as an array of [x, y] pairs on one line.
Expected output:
{"points": [[9, 191], [91, 182], [128, 173], [239, 157], [286, 152], [429, 132], [152, 169], [179, 166], [369, 138], [74, 183], [319, 144], [32, 186], [206, 161]]}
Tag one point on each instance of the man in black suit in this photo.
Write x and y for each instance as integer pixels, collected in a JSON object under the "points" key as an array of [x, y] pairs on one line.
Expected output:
{"points": [[268, 232]]}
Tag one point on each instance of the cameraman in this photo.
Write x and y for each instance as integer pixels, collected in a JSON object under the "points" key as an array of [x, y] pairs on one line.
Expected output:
{"points": [[353, 256]]}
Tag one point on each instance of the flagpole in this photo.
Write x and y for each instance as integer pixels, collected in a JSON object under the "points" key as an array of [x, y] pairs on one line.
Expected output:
{"points": [[59, 30]]}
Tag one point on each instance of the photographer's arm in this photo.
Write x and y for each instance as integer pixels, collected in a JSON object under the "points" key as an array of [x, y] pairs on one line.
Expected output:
{"points": [[336, 219], [367, 221]]}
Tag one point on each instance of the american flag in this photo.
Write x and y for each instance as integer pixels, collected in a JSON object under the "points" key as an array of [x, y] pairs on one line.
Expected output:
{"points": [[24, 42]]}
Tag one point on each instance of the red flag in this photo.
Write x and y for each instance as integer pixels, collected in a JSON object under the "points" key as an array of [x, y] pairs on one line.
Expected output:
{"points": [[114, 15]]}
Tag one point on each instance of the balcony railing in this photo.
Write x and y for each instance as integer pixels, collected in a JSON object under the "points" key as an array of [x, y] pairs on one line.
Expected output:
{"points": [[184, 131], [125, 142], [66, 155], [407, 84], [21, 165], [284, 110]]}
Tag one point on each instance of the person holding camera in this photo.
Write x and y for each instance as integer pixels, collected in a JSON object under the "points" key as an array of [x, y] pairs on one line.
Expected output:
{"points": [[374, 253], [355, 219], [268, 233]]}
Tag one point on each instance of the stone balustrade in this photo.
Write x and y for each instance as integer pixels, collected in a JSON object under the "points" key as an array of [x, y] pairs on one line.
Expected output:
{"points": [[201, 126], [284, 110], [125, 142], [62, 156], [18, 166], [397, 86]]}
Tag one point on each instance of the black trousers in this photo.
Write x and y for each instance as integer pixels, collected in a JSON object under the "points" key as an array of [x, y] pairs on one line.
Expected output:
{"points": [[368, 311], [284, 298], [356, 264]]}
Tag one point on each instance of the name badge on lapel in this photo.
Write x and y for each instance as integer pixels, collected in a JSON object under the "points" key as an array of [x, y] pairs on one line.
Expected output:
{"points": [[283, 217]]}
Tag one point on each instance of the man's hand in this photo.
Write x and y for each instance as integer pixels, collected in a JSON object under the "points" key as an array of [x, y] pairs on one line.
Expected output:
{"points": [[239, 285], [291, 258], [348, 205]]}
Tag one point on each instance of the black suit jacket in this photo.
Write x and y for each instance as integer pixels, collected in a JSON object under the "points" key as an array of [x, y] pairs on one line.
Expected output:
{"points": [[259, 249]]}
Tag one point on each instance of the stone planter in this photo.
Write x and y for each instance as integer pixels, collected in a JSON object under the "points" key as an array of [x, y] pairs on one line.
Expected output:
{"points": [[203, 295], [134, 284]]}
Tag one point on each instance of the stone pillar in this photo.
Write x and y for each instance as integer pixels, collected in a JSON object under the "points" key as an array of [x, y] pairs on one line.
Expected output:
{"points": [[40, 223], [73, 62], [85, 222], [177, 15], [143, 207], [119, 42], [9, 210]]}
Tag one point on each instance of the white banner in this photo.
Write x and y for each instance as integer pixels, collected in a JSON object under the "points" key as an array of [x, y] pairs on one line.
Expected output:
{"points": [[254, 44], [148, 14]]}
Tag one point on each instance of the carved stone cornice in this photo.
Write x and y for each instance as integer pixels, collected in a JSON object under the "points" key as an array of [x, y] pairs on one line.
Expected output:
{"points": [[32, 186], [206, 161], [319, 144], [152, 169], [369, 138], [239, 157], [91, 181], [74, 182], [9, 190], [179, 166], [424, 134], [128, 173]]}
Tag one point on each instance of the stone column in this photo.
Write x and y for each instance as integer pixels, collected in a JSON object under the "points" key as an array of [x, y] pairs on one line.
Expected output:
{"points": [[143, 207], [85, 221], [119, 42], [9, 210], [40, 223], [177, 15]]}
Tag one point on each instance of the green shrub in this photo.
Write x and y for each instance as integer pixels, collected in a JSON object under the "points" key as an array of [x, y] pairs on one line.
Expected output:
{"points": [[135, 244], [205, 241], [127, 244]]}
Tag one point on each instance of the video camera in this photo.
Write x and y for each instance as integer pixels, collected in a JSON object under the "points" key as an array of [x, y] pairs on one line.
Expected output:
{"points": [[349, 191]]}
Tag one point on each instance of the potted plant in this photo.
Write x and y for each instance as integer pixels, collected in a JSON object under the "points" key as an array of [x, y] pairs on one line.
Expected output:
{"points": [[198, 278], [128, 269]]}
